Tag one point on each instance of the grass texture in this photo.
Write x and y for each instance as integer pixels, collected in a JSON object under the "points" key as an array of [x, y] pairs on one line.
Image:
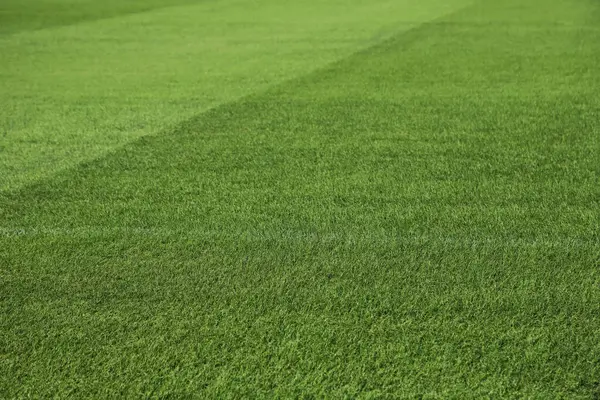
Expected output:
{"points": [[419, 219], [74, 92]]}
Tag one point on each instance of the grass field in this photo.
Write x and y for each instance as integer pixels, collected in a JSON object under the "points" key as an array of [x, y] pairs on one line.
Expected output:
{"points": [[277, 199]]}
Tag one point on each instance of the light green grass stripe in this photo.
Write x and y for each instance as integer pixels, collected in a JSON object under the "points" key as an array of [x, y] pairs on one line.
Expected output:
{"points": [[73, 93]]}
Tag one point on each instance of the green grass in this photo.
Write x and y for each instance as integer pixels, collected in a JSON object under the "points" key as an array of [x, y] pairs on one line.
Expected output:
{"points": [[74, 92], [24, 15], [419, 219]]}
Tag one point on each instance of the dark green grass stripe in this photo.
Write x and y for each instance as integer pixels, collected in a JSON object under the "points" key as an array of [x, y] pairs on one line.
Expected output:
{"points": [[25, 15]]}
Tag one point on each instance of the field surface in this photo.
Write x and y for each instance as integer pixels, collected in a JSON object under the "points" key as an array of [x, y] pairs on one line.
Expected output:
{"points": [[300, 199]]}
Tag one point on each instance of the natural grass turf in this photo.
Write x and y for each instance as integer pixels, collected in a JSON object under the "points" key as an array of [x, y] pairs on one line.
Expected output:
{"points": [[80, 88], [24, 15], [418, 220]]}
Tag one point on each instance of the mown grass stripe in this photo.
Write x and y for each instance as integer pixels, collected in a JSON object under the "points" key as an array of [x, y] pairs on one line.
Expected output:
{"points": [[76, 92], [26, 15]]}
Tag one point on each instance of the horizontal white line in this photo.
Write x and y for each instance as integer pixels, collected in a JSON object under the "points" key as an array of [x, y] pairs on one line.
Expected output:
{"points": [[291, 236]]}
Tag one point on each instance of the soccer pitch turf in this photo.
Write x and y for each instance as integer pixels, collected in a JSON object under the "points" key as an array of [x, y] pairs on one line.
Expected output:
{"points": [[310, 199]]}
